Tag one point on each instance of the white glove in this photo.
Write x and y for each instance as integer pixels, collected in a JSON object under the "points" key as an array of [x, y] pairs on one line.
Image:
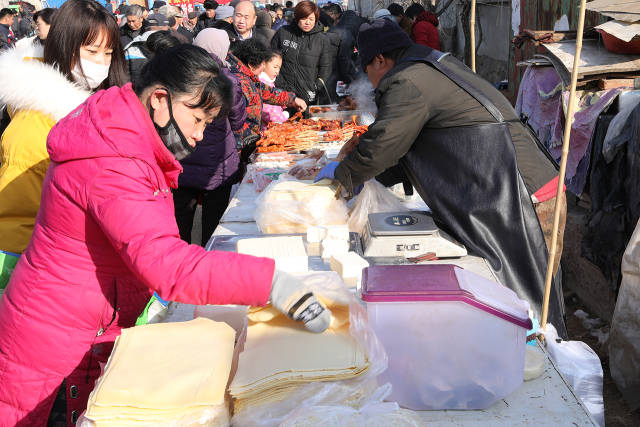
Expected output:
{"points": [[289, 295]]}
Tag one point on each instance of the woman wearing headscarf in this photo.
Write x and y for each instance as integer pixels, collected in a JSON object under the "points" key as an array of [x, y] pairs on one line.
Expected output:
{"points": [[212, 169], [106, 238]]}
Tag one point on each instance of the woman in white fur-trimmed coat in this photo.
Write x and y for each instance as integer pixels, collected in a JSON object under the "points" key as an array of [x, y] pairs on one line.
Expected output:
{"points": [[82, 53]]}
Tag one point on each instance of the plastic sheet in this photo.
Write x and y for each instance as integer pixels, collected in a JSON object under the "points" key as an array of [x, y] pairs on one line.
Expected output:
{"points": [[624, 341], [373, 198], [289, 206], [354, 393], [581, 367], [373, 411], [263, 176]]}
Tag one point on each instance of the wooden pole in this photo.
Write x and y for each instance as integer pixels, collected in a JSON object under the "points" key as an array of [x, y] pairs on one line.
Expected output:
{"points": [[472, 24], [563, 165]]}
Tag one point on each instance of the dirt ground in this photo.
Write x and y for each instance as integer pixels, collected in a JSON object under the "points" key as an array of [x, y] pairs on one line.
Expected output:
{"points": [[617, 413]]}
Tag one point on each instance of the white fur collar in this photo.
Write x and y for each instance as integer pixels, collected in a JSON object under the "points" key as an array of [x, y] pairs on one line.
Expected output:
{"points": [[29, 84]]}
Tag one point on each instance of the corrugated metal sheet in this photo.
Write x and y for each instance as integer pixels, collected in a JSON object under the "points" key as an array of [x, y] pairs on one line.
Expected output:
{"points": [[622, 10], [542, 15]]}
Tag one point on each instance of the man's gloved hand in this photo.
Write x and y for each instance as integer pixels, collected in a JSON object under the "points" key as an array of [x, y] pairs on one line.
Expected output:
{"points": [[327, 172], [289, 295]]}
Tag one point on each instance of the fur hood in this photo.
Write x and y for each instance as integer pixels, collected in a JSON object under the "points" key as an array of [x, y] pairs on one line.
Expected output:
{"points": [[29, 84]]}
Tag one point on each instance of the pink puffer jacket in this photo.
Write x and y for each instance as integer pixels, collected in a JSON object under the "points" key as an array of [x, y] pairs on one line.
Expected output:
{"points": [[105, 238]]}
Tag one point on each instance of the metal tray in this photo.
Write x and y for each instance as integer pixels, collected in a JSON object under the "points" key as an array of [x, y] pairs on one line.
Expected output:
{"points": [[316, 263], [362, 117]]}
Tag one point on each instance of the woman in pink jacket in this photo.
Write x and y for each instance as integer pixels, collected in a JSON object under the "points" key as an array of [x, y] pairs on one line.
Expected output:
{"points": [[106, 238]]}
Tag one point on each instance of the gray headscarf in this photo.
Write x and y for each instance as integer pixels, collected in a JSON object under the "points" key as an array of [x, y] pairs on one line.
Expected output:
{"points": [[214, 41]]}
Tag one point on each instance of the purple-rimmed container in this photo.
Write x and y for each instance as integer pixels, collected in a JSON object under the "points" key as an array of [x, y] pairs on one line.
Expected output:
{"points": [[455, 340]]}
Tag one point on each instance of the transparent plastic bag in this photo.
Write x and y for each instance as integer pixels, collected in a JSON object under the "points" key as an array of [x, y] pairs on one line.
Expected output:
{"points": [[291, 206], [372, 411], [355, 392], [373, 198], [582, 369], [624, 340], [310, 166], [263, 176]]}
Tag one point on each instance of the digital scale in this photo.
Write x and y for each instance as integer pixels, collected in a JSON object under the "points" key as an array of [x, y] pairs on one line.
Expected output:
{"points": [[407, 234]]}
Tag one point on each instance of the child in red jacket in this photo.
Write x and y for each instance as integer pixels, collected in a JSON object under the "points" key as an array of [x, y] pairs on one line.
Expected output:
{"points": [[425, 31]]}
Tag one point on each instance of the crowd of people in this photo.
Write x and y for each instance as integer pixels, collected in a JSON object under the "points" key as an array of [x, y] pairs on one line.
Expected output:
{"points": [[314, 48], [116, 125]]}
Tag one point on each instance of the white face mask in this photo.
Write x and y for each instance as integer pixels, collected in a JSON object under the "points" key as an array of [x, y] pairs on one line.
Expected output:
{"points": [[265, 76], [94, 74]]}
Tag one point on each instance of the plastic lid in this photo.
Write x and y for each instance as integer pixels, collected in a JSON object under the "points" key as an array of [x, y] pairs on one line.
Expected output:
{"points": [[442, 282]]}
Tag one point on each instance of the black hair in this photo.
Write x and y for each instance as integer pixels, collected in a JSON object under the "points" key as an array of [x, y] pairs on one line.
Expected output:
{"points": [[4, 12], [325, 19], [250, 52], [289, 4], [395, 9], [188, 70], [160, 41], [79, 23], [414, 10], [334, 8], [45, 14], [272, 53]]}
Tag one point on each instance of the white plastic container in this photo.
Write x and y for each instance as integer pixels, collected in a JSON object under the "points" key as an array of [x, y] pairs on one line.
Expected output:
{"points": [[455, 340]]}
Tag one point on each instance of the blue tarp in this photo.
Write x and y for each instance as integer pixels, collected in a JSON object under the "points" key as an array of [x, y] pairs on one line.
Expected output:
{"points": [[52, 3]]}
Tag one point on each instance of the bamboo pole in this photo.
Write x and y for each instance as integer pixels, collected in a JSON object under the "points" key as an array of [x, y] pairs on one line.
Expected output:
{"points": [[563, 165], [472, 24]]}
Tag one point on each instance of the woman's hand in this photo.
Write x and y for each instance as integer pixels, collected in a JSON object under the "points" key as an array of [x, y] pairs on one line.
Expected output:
{"points": [[300, 104], [290, 296]]}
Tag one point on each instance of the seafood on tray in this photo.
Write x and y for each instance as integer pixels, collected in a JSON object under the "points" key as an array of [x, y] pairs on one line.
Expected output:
{"points": [[301, 134]]}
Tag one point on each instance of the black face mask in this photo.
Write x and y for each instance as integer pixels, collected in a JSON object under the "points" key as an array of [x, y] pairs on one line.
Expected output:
{"points": [[172, 136]]}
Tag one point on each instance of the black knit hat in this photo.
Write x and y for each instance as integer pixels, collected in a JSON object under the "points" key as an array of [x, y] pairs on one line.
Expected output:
{"points": [[379, 37], [210, 4]]}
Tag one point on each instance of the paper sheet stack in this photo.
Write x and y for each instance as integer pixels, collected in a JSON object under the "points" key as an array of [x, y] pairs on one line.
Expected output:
{"points": [[288, 252], [279, 356], [166, 374]]}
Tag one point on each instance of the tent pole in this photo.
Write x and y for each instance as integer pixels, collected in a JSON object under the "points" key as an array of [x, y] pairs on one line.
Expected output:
{"points": [[563, 165], [472, 24]]}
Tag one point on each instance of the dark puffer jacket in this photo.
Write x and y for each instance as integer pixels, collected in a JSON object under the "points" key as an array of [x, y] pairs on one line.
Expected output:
{"points": [[215, 161], [127, 34], [305, 57], [204, 22], [347, 28]]}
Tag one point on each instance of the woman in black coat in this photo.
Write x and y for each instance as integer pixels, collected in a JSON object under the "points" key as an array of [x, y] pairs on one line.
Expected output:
{"points": [[305, 53]]}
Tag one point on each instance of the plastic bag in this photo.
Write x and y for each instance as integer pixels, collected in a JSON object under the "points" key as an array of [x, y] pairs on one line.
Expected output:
{"points": [[373, 411], [352, 393], [581, 367], [263, 176], [8, 261], [373, 198], [624, 340], [291, 206]]}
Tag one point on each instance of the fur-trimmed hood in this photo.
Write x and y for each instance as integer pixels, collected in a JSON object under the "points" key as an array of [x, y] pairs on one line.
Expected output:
{"points": [[29, 84]]}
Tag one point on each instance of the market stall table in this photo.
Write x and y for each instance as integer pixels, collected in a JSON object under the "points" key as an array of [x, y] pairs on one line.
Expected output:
{"points": [[545, 401]]}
